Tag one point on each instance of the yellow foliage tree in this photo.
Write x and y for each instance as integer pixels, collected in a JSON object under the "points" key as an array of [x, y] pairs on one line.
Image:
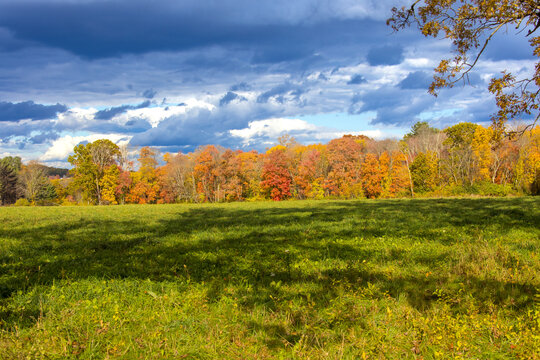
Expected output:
{"points": [[528, 166], [109, 183], [481, 146]]}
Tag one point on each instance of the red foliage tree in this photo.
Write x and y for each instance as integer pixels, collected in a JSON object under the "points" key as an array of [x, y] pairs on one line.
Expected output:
{"points": [[276, 178]]}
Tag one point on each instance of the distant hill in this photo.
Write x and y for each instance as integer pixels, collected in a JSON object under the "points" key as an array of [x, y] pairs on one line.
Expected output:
{"points": [[53, 172]]}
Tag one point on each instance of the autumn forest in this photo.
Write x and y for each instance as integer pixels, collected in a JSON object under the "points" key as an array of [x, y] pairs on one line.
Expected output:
{"points": [[462, 159]]}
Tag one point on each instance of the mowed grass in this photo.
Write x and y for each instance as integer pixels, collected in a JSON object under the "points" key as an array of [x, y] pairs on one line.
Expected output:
{"points": [[438, 278]]}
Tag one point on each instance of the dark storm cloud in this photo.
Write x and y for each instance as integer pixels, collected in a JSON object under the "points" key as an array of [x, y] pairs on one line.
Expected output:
{"points": [[44, 137], [255, 59], [200, 126], [273, 54], [479, 111], [421, 80], [112, 28], [281, 92], [391, 106], [229, 97], [385, 55], [9, 130], [149, 94], [29, 110], [240, 87], [416, 80], [109, 113], [132, 126]]}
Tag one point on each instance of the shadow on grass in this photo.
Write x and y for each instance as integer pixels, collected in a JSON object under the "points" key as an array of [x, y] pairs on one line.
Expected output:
{"points": [[323, 244]]}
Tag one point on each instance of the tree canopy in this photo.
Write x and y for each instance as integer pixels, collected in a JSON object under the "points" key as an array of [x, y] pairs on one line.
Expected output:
{"points": [[90, 163], [8, 184], [471, 25]]}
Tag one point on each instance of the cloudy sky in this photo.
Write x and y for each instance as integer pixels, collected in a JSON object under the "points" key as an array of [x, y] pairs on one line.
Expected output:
{"points": [[238, 73]]}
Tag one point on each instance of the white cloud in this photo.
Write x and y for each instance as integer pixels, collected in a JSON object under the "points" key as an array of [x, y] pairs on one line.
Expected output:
{"points": [[76, 117], [420, 62], [272, 128], [154, 115], [62, 147], [269, 130]]}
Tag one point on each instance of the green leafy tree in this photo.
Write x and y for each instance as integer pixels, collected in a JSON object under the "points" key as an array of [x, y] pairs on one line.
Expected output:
{"points": [[13, 162], [471, 25], [420, 128], [424, 172], [90, 162], [47, 194]]}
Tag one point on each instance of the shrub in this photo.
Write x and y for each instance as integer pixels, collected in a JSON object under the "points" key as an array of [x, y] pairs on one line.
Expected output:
{"points": [[46, 202], [22, 202], [490, 189]]}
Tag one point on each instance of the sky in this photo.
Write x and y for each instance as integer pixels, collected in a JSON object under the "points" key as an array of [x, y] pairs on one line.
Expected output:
{"points": [[176, 75]]}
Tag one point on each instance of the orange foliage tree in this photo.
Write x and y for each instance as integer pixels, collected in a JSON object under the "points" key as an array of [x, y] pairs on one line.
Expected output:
{"points": [[371, 176], [344, 158], [145, 189], [206, 173]]}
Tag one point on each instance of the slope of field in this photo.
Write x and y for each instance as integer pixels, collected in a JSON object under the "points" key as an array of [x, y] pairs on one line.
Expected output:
{"points": [[434, 278]]}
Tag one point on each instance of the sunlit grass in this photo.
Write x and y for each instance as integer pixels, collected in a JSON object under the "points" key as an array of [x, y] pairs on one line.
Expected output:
{"points": [[434, 278]]}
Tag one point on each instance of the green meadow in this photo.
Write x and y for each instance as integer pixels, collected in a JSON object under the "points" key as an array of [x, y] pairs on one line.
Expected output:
{"points": [[398, 279]]}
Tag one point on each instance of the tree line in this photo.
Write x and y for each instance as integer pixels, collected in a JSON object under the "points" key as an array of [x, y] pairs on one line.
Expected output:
{"points": [[462, 159]]}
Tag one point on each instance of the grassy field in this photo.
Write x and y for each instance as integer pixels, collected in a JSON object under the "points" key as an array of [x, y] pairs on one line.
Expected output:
{"points": [[450, 278]]}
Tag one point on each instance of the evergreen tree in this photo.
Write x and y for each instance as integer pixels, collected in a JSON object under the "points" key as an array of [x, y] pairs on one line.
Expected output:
{"points": [[8, 185]]}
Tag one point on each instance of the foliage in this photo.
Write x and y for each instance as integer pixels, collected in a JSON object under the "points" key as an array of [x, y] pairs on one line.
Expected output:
{"points": [[460, 160], [420, 129], [8, 184], [424, 172], [46, 195], [22, 202], [34, 184], [374, 279], [90, 161], [276, 178], [109, 184], [471, 25], [175, 178], [399, 185], [482, 152], [311, 171], [344, 159], [206, 173], [456, 161], [124, 186], [12, 162], [143, 187], [371, 176], [487, 188], [528, 165]]}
